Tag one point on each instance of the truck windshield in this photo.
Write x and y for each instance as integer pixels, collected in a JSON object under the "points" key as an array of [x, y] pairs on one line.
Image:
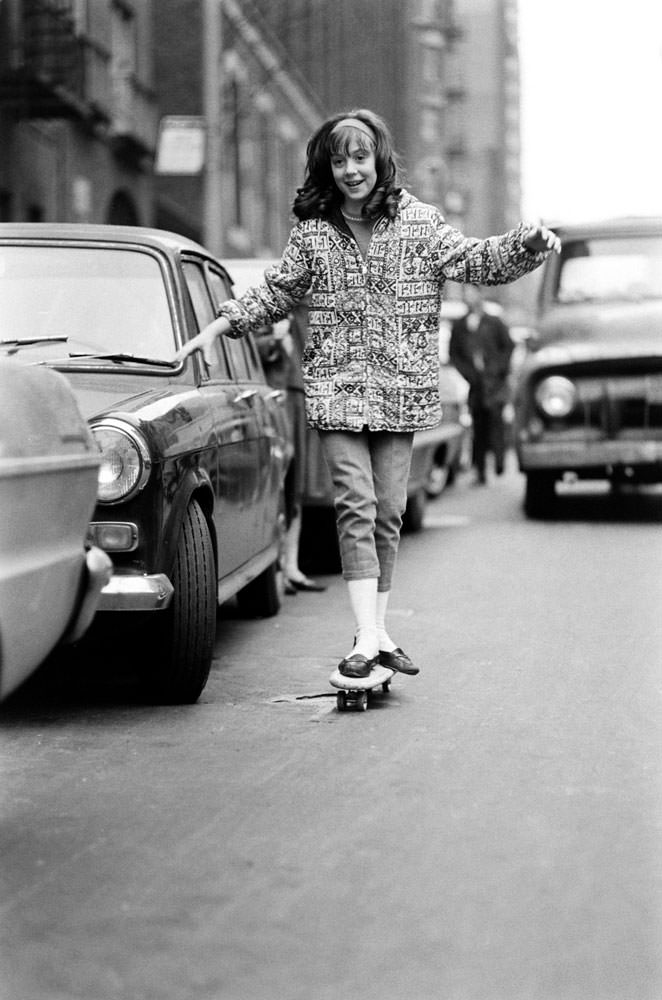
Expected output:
{"points": [[79, 300], [610, 269]]}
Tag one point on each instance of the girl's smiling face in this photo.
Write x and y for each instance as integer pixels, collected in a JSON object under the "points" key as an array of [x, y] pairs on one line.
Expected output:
{"points": [[354, 172]]}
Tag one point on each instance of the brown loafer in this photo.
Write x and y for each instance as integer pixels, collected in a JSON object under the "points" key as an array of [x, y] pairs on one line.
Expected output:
{"points": [[398, 660], [357, 665]]}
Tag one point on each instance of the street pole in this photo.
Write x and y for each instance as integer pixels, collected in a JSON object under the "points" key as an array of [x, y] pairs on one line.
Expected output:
{"points": [[212, 48]]}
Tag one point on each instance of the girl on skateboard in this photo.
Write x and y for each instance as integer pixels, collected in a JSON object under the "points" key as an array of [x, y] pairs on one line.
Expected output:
{"points": [[375, 260]]}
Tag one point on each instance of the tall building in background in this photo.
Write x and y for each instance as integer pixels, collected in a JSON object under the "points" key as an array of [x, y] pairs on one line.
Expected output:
{"points": [[268, 111], [444, 74], [393, 56], [286, 65], [83, 82], [78, 117], [487, 124], [490, 116]]}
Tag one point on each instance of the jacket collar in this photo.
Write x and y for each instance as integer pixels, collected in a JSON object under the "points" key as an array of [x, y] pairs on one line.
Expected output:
{"points": [[337, 219]]}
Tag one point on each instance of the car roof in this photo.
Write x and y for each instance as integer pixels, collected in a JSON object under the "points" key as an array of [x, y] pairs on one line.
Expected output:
{"points": [[624, 226], [159, 238]]}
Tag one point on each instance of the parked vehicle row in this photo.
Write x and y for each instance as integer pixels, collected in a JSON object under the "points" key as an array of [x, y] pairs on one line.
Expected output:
{"points": [[191, 458], [142, 489]]}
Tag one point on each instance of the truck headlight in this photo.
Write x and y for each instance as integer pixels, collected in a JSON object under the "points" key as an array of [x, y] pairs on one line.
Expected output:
{"points": [[556, 396], [125, 461]]}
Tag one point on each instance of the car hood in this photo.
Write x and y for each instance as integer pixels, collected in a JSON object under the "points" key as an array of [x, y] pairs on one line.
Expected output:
{"points": [[98, 394], [633, 326]]}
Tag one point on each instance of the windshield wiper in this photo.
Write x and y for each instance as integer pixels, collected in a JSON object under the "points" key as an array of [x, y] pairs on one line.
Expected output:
{"points": [[135, 358], [16, 343]]}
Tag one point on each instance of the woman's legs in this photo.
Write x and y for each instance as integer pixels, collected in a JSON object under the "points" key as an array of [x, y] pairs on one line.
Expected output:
{"points": [[369, 470], [390, 456]]}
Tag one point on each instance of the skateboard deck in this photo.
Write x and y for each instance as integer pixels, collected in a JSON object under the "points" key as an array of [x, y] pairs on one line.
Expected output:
{"points": [[353, 691]]}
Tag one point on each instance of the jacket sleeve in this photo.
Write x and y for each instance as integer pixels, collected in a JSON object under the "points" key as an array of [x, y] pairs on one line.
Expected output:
{"points": [[285, 284], [496, 260]]}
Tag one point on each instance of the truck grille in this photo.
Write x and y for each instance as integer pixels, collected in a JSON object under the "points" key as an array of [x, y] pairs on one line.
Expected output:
{"points": [[624, 406]]}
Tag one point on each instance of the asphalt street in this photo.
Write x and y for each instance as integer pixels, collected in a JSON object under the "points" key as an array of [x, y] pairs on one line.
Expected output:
{"points": [[490, 830]]}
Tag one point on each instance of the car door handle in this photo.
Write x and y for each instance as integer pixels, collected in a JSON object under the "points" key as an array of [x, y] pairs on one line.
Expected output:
{"points": [[277, 394], [246, 394]]}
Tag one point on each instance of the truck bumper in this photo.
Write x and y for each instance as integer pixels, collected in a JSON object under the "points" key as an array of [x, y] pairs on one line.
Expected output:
{"points": [[569, 457]]}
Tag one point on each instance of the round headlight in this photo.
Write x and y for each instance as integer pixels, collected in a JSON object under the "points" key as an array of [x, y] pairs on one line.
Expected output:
{"points": [[125, 461], [556, 396]]}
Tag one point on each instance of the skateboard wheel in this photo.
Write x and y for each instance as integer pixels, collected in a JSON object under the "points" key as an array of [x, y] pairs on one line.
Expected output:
{"points": [[362, 701], [386, 687]]}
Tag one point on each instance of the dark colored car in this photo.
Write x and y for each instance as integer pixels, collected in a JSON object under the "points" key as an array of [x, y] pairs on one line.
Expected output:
{"points": [[589, 396], [193, 458]]}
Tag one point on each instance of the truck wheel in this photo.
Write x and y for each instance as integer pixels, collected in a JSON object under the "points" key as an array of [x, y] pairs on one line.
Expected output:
{"points": [[183, 636], [441, 475], [540, 494]]}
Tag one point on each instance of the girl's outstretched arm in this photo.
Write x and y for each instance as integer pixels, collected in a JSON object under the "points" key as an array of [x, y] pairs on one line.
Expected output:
{"points": [[205, 340]]}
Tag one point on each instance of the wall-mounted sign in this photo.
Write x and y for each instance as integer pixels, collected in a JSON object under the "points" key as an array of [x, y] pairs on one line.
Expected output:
{"points": [[181, 145]]}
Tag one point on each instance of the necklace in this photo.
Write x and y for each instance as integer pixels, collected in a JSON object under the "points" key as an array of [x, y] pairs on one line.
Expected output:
{"points": [[352, 218]]}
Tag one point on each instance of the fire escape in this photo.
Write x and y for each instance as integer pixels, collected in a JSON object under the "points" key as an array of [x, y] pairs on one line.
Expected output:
{"points": [[49, 70]]}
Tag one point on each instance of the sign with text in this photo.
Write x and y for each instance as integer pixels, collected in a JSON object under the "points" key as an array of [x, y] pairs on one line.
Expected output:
{"points": [[181, 145]]}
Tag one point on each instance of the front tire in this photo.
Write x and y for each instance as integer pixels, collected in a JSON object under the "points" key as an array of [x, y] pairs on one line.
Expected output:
{"points": [[540, 494], [184, 635], [441, 476]]}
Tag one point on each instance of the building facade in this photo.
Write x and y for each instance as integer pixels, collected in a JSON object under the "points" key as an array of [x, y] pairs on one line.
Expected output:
{"points": [[267, 110], [78, 115], [489, 119], [393, 56], [285, 65]]}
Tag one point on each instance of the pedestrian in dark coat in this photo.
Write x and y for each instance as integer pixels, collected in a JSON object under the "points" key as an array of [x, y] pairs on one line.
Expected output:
{"points": [[375, 260], [480, 348]]}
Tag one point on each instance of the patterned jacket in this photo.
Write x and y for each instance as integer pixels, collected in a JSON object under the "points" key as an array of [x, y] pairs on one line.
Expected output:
{"points": [[372, 354]]}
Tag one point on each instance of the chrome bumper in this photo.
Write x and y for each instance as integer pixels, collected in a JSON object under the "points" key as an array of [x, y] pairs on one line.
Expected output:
{"points": [[128, 592], [579, 455]]}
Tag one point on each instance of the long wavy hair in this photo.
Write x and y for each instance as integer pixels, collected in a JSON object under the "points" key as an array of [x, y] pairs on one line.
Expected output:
{"points": [[319, 196]]}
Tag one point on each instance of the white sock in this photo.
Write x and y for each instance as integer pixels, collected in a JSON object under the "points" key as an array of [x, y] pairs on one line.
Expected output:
{"points": [[363, 599], [386, 644]]}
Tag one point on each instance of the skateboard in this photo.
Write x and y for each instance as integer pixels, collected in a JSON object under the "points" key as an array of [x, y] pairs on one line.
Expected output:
{"points": [[353, 691]]}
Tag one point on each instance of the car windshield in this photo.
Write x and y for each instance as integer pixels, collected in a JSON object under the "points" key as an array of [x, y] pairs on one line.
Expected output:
{"points": [[60, 301], [610, 269]]}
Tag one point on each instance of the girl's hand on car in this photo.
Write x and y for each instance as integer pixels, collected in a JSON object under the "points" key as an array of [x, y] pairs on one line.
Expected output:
{"points": [[540, 238], [205, 341]]}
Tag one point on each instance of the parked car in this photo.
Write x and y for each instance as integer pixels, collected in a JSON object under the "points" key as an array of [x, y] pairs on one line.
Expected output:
{"points": [[193, 458], [589, 396], [50, 581]]}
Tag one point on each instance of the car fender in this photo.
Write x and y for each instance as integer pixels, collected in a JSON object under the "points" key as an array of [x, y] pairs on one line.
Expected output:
{"points": [[194, 485]]}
